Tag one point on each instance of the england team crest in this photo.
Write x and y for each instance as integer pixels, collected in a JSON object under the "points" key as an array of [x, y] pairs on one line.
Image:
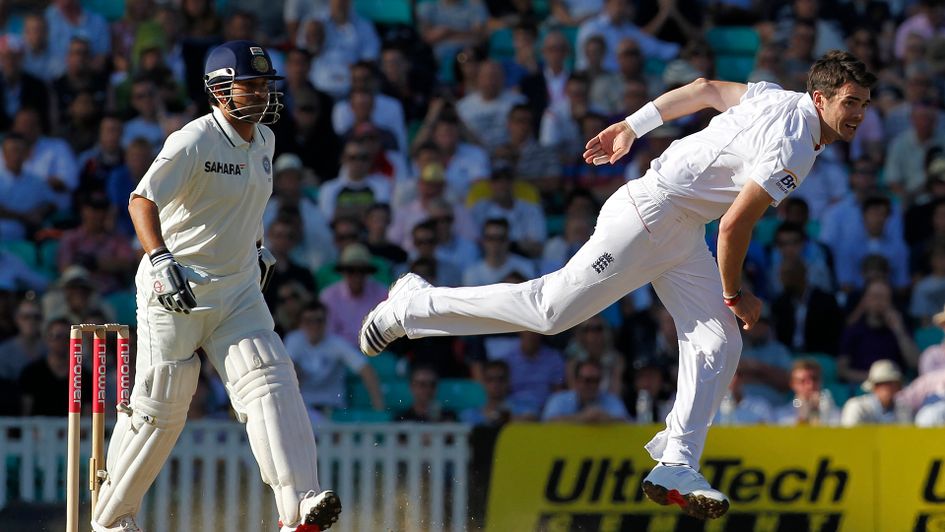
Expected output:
{"points": [[267, 165]]}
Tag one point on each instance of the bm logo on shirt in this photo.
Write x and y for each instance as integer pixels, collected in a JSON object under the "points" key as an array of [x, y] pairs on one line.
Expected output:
{"points": [[787, 182], [223, 168]]}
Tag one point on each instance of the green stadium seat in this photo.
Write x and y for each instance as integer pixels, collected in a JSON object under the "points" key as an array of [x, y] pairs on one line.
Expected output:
{"points": [[123, 303], [500, 44], [460, 394], [385, 365], [733, 40], [928, 336], [840, 391], [385, 11], [360, 415], [22, 249], [396, 395], [112, 10], [49, 257], [828, 365]]}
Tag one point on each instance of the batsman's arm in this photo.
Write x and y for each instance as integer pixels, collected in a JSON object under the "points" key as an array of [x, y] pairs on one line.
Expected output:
{"points": [[144, 216], [734, 236]]}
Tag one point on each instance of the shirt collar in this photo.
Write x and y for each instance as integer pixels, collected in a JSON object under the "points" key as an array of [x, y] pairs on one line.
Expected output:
{"points": [[231, 135], [806, 105]]}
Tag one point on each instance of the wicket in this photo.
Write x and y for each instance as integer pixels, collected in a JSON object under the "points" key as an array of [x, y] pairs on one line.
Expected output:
{"points": [[97, 461]]}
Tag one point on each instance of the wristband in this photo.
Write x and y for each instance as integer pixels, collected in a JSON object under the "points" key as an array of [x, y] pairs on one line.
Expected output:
{"points": [[159, 255], [645, 119], [731, 301]]}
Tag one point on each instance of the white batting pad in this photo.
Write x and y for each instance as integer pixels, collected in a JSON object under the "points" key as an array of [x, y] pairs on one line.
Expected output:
{"points": [[265, 393], [141, 442]]}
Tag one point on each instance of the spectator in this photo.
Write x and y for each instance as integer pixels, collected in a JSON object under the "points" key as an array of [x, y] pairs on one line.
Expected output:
{"points": [[843, 221], [829, 177], [919, 91], [850, 254], [15, 275], [464, 163], [601, 181], [424, 247], [430, 190], [147, 120], [49, 158], [326, 70], [349, 35], [925, 22], [928, 295], [27, 346], [347, 231], [44, 382], [615, 23], [875, 330], [201, 21], [37, 57], [292, 298], [739, 408], [79, 76], [351, 298], [535, 371], [385, 159], [405, 81], [356, 188], [546, 87], [524, 60], [933, 358], [799, 54], [585, 402], [526, 221], [74, 298], [281, 239], [559, 249], [123, 179], [80, 127], [485, 111], [425, 407], [314, 243], [377, 220], [594, 341], [607, 91], [96, 246], [310, 125], [25, 198], [322, 361], [497, 261], [498, 410], [922, 222], [97, 162], [532, 162], [449, 25], [829, 36], [792, 245], [811, 405], [296, 11], [905, 163], [21, 89], [560, 124], [386, 111], [67, 20], [651, 394], [451, 245], [765, 364], [879, 405]]}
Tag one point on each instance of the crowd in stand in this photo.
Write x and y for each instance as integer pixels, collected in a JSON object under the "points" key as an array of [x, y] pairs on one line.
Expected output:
{"points": [[448, 142]]}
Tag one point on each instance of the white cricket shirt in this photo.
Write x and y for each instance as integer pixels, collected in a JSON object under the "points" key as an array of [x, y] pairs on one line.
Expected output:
{"points": [[211, 188], [770, 137]]}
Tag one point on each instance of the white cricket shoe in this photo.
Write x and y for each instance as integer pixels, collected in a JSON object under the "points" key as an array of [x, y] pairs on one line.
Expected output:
{"points": [[380, 327], [125, 523], [684, 486], [318, 512]]}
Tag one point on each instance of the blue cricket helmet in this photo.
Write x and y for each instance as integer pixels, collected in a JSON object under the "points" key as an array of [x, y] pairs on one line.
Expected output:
{"points": [[239, 61]]}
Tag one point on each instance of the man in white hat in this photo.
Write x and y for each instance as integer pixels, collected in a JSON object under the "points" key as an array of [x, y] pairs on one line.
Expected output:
{"points": [[878, 406]]}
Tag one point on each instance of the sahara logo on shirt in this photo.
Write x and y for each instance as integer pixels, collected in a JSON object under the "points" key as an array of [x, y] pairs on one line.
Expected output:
{"points": [[216, 167], [787, 182]]}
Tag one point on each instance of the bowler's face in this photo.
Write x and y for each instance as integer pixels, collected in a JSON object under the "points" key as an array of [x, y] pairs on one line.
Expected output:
{"points": [[842, 113]]}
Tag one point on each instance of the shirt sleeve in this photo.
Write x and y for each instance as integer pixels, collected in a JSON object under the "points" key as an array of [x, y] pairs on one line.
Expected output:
{"points": [[783, 169], [171, 170], [754, 89]]}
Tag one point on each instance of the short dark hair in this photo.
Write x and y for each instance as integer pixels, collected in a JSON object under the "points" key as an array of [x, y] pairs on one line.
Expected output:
{"points": [[496, 364], [835, 69], [314, 306], [877, 201], [584, 363], [498, 222], [790, 227]]}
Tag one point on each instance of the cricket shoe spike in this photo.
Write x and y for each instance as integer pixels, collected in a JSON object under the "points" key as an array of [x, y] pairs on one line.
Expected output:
{"points": [[124, 524], [318, 512], [684, 486]]}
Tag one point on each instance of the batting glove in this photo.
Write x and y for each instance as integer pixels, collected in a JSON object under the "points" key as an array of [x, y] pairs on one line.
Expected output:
{"points": [[171, 282], [267, 266]]}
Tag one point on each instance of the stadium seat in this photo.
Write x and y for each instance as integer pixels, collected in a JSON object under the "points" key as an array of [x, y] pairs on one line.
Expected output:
{"points": [[360, 415], [460, 394], [123, 303], [734, 48], [112, 10], [385, 365], [22, 249], [500, 44], [828, 365], [49, 257], [385, 11], [928, 336], [840, 391]]}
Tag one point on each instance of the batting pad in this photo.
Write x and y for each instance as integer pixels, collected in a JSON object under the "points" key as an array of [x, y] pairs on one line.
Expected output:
{"points": [[142, 441], [264, 391]]}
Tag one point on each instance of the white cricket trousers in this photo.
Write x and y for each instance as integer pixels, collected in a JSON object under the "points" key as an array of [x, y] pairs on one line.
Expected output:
{"points": [[640, 237]]}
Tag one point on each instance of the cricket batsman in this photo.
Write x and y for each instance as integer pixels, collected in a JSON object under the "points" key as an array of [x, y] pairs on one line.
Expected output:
{"points": [[752, 155], [198, 215]]}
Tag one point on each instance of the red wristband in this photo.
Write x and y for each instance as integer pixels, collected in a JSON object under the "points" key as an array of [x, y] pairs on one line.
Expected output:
{"points": [[732, 301]]}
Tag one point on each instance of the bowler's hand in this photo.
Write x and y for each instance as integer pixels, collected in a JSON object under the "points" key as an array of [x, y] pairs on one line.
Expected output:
{"points": [[610, 144], [748, 309]]}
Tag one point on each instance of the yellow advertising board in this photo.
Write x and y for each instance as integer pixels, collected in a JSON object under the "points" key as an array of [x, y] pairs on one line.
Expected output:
{"points": [[559, 477]]}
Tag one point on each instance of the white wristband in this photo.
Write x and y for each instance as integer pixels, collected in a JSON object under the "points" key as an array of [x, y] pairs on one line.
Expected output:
{"points": [[644, 120]]}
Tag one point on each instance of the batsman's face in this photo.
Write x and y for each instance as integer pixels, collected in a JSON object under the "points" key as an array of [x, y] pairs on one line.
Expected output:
{"points": [[842, 113]]}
